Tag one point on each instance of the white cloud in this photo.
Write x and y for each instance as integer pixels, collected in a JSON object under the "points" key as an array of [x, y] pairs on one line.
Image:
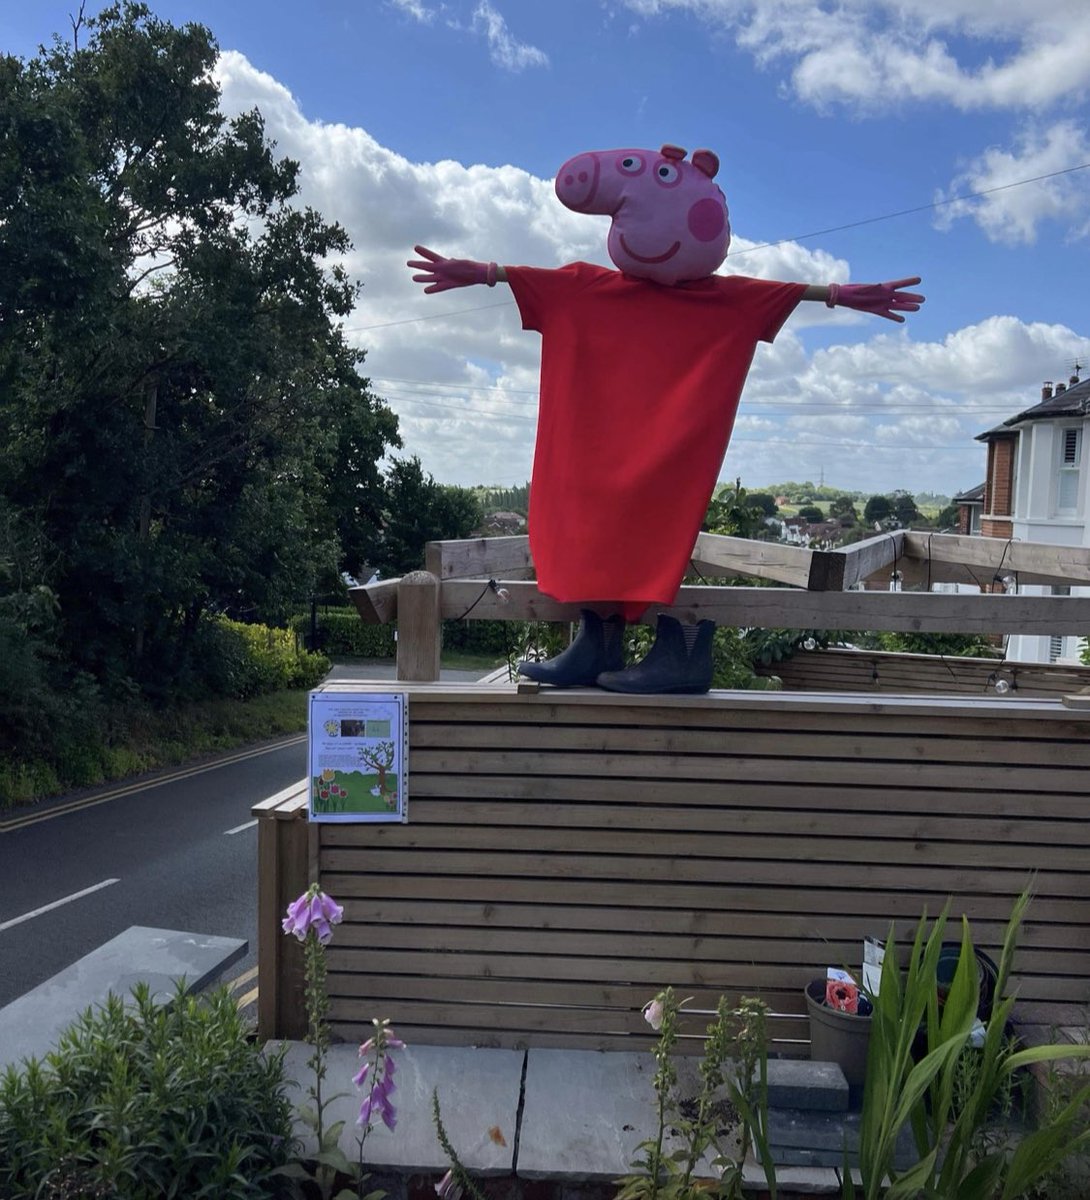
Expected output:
{"points": [[415, 9], [1013, 214], [878, 54], [878, 411], [505, 49]]}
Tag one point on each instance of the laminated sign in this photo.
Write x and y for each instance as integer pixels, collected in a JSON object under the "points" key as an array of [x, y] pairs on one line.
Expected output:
{"points": [[358, 747]]}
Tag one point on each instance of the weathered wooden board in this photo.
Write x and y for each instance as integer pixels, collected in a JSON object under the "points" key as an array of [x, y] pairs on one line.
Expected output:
{"points": [[791, 608]]}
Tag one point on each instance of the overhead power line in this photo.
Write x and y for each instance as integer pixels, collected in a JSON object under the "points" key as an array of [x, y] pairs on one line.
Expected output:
{"points": [[906, 212]]}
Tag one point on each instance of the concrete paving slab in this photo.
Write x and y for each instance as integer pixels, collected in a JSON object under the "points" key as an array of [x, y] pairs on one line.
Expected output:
{"points": [[585, 1113], [478, 1091], [31, 1025]]}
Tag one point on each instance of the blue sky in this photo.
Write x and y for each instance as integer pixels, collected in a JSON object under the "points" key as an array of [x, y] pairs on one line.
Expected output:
{"points": [[444, 123]]}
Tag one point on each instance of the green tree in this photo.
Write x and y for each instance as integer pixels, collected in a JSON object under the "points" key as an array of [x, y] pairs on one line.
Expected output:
{"points": [[878, 508], [765, 501], [811, 512], [182, 426], [418, 510], [948, 518], [904, 508], [843, 508]]}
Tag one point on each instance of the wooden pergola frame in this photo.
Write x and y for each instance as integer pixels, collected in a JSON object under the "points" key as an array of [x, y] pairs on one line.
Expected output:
{"points": [[489, 579]]}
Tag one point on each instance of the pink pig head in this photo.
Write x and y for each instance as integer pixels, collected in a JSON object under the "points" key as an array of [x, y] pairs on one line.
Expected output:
{"points": [[670, 221]]}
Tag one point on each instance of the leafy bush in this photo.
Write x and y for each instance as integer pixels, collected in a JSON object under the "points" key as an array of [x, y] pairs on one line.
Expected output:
{"points": [[341, 634], [480, 637], [244, 660], [140, 1101]]}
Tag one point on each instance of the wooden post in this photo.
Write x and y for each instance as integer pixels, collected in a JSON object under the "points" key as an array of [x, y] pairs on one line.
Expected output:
{"points": [[418, 628], [283, 875], [294, 869]]}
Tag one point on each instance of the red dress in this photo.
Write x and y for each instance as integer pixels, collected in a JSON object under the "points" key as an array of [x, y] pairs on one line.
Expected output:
{"points": [[640, 384]]}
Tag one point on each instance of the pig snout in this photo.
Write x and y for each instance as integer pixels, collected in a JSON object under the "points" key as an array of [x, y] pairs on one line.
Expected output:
{"points": [[577, 182]]}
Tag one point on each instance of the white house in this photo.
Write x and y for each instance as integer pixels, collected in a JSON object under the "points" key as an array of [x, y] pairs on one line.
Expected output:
{"points": [[1037, 491]]}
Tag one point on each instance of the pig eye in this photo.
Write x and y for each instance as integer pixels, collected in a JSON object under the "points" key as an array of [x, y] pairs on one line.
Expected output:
{"points": [[631, 164], [667, 174]]}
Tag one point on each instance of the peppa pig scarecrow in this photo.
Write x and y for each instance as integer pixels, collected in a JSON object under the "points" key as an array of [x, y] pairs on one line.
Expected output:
{"points": [[641, 373]]}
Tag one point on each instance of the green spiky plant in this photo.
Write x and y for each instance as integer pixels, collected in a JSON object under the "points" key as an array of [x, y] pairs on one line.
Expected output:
{"points": [[947, 1115]]}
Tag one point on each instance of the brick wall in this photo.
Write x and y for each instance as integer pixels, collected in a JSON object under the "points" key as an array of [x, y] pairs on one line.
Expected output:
{"points": [[989, 527], [999, 489]]}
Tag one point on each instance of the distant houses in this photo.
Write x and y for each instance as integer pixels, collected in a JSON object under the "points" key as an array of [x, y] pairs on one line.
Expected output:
{"points": [[1037, 491]]}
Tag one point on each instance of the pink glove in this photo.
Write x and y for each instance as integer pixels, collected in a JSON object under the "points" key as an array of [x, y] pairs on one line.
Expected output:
{"points": [[882, 299], [445, 273]]}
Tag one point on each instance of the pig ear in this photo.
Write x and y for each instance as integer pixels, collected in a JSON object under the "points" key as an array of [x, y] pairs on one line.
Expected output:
{"points": [[669, 151], [707, 162]]}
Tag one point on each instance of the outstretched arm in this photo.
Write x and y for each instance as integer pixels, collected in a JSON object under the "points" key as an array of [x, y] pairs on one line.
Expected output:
{"points": [[441, 274], [883, 299]]}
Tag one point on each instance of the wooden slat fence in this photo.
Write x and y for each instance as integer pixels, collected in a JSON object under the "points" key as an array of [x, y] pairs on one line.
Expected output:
{"points": [[839, 670], [569, 854]]}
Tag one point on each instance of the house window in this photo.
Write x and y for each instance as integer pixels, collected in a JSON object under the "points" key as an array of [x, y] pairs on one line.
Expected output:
{"points": [[1055, 648], [1067, 481]]}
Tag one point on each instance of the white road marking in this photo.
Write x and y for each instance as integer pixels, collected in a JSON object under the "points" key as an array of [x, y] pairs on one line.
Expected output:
{"points": [[240, 828], [56, 904]]}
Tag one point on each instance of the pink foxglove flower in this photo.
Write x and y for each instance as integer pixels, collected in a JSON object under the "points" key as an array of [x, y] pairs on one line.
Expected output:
{"points": [[316, 911], [653, 1012], [447, 1189], [378, 1071]]}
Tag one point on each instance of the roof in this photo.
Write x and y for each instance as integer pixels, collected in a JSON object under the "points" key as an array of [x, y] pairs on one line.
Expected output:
{"points": [[971, 495], [1074, 401]]}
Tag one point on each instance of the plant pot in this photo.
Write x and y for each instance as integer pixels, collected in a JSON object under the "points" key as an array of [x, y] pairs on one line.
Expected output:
{"points": [[838, 1037]]}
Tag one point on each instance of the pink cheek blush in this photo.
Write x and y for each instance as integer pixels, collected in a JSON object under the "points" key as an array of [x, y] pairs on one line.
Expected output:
{"points": [[706, 220]]}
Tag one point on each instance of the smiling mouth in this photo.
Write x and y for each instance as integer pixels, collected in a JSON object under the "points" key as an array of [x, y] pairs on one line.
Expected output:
{"points": [[654, 258]]}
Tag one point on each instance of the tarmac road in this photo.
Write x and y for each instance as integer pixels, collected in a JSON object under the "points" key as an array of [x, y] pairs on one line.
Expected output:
{"points": [[175, 850]]}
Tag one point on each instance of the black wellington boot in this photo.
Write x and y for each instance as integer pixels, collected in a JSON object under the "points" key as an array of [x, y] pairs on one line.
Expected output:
{"points": [[598, 647], [670, 665]]}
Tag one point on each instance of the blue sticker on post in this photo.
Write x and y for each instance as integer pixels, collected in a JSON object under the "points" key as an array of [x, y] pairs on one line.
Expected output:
{"points": [[358, 756]]}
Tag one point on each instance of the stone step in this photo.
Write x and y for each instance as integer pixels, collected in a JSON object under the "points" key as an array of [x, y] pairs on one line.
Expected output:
{"points": [[161, 958], [800, 1084], [797, 1137]]}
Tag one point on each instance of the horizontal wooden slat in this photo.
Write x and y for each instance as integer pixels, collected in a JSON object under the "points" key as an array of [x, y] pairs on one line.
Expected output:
{"points": [[787, 608], [601, 739], [754, 794], [718, 847], [717, 555], [745, 903], [801, 871], [809, 926], [864, 671], [991, 557], [668, 767], [899, 711], [735, 819]]}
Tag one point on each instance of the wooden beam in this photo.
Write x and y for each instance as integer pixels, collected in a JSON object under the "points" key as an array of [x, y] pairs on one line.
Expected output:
{"points": [[788, 608], [480, 558], [719, 555], [376, 603], [838, 570], [981, 559]]}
